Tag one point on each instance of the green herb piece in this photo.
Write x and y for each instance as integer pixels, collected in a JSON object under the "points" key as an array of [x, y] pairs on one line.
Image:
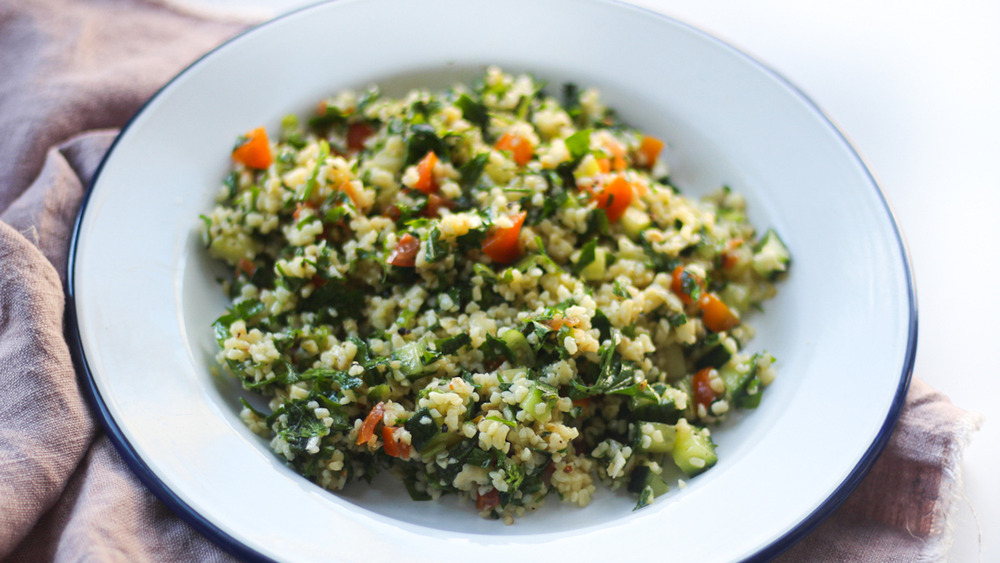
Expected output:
{"points": [[324, 152], [422, 139], [578, 144]]}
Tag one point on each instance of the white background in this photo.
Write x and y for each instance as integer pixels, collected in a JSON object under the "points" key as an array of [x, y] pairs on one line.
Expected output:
{"points": [[915, 86]]}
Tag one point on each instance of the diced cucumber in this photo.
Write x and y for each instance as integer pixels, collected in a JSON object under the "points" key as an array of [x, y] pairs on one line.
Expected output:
{"points": [[596, 270], [751, 397], [379, 393], [674, 362], [439, 442], [634, 222], [486, 272], [540, 401], [693, 452], [407, 319], [735, 381], [521, 351], [647, 484], [713, 355], [736, 296], [232, 248], [742, 389], [729, 215], [771, 256], [411, 362], [588, 168], [652, 406], [661, 437], [510, 375]]}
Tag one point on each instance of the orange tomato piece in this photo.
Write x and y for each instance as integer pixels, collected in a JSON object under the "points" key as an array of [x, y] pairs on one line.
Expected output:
{"points": [[730, 258], [393, 212], [604, 164], [425, 174], [357, 134], [614, 147], [502, 244], [701, 387], [650, 148], [487, 501], [371, 421], [247, 266], [519, 147], [391, 446], [405, 253], [715, 314], [434, 205], [348, 188], [615, 198], [254, 150], [300, 207], [680, 279], [558, 323]]}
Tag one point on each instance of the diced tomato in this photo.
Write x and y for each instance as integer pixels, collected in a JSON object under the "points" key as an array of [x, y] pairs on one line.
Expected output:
{"points": [[604, 164], [681, 281], [425, 174], [613, 146], [254, 150], [371, 421], [650, 148], [520, 148], [247, 266], [617, 161], [615, 198], [729, 256], [715, 314], [502, 244], [702, 389], [357, 134], [488, 501], [348, 188], [558, 323], [391, 445], [550, 468], [405, 253], [393, 212], [300, 207], [434, 205]]}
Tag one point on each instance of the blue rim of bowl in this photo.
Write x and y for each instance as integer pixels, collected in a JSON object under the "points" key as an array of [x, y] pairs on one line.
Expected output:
{"points": [[241, 550]]}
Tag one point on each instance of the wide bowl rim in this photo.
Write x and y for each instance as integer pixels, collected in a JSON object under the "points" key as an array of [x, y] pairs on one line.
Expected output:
{"points": [[242, 550]]}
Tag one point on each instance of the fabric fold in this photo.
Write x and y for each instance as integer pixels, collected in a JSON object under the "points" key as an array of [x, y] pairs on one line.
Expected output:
{"points": [[75, 72], [46, 212], [45, 425], [900, 512]]}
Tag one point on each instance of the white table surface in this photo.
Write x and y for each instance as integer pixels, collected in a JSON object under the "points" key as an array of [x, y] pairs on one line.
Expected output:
{"points": [[915, 86]]}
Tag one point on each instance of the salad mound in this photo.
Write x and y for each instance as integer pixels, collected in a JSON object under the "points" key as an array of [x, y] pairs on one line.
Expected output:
{"points": [[491, 291]]}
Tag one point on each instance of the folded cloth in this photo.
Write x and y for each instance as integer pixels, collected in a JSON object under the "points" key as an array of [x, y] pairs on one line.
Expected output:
{"points": [[73, 69]]}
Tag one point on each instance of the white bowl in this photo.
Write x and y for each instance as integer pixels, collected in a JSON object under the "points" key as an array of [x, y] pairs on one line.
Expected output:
{"points": [[843, 327]]}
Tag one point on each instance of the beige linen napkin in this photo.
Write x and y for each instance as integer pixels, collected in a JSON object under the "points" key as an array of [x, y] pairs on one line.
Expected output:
{"points": [[70, 72]]}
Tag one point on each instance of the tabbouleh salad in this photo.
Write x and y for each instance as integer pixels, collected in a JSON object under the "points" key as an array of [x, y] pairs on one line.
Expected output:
{"points": [[492, 291]]}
